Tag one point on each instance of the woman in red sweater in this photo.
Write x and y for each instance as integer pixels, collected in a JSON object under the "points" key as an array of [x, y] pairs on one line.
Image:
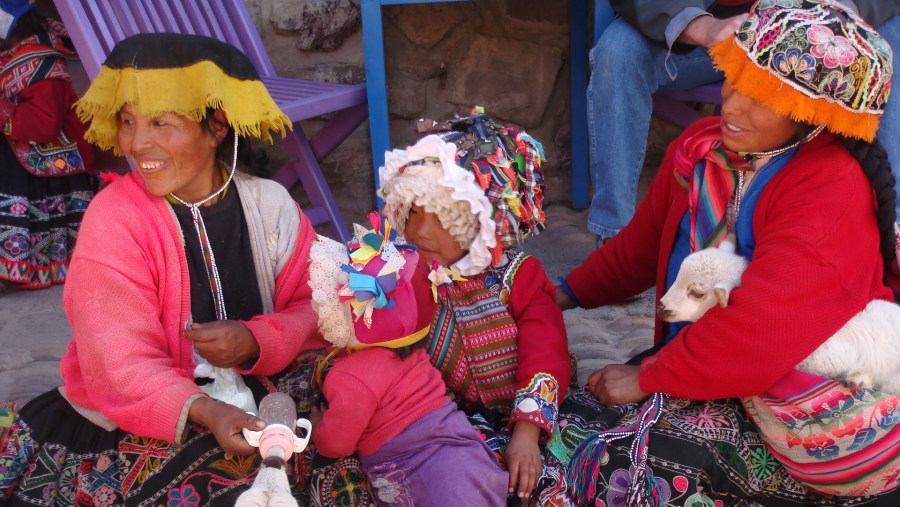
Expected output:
{"points": [[45, 163], [814, 215]]}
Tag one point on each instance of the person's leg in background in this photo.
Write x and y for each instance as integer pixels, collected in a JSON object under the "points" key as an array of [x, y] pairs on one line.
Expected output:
{"points": [[889, 126], [626, 70]]}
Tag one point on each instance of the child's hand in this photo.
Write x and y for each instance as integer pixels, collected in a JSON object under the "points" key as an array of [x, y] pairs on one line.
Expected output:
{"points": [[315, 416], [523, 458]]}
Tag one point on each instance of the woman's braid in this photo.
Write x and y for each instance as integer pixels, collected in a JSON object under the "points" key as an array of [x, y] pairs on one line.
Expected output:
{"points": [[875, 165]]}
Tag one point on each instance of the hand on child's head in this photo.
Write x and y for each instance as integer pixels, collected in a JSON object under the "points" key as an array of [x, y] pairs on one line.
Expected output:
{"points": [[434, 241]]}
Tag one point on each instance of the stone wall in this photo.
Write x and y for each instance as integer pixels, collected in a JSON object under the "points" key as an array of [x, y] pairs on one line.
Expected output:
{"points": [[509, 56]]}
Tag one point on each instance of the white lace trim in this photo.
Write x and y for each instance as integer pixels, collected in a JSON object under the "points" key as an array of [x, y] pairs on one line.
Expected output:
{"points": [[448, 174], [325, 275]]}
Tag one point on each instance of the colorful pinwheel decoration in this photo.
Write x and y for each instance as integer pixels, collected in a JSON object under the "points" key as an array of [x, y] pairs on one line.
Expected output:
{"points": [[374, 267]]}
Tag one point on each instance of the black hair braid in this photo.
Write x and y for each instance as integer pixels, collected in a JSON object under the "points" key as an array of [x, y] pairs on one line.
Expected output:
{"points": [[225, 149], [875, 165], [28, 24]]}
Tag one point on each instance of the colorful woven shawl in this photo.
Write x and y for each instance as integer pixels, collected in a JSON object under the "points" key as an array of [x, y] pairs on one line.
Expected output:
{"points": [[710, 185], [38, 57], [475, 340], [834, 439]]}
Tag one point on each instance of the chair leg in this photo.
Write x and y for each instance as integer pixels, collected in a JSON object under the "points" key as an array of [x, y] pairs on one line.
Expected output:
{"points": [[304, 166], [337, 129]]}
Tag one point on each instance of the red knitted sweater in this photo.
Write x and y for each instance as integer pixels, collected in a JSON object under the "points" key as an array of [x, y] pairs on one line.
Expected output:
{"points": [[816, 264]]}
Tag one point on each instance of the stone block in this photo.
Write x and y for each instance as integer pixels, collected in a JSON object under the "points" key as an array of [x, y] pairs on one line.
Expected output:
{"points": [[511, 79], [318, 24], [538, 11], [426, 24], [407, 97]]}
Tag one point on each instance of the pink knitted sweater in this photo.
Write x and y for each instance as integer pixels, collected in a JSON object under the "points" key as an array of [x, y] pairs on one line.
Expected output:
{"points": [[127, 298]]}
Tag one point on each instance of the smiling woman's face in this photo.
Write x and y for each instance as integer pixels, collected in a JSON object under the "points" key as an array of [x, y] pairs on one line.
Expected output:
{"points": [[173, 153], [748, 126]]}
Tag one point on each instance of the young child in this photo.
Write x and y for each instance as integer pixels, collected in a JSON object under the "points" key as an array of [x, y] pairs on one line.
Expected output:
{"points": [[384, 399], [465, 194], [45, 185]]}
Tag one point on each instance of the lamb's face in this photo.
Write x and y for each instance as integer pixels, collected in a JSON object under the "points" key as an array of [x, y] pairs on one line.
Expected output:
{"points": [[686, 302], [705, 278]]}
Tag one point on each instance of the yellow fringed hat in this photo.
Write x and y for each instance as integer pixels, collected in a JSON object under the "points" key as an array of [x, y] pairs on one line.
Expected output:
{"points": [[183, 74], [814, 61]]}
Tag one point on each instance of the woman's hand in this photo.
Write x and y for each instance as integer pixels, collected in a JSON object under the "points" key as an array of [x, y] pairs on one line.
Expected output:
{"points": [[224, 343], [563, 300], [617, 384], [523, 458], [225, 422]]}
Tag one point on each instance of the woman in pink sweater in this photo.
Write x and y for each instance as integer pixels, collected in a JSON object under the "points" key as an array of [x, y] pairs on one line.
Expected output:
{"points": [[792, 169], [187, 273]]}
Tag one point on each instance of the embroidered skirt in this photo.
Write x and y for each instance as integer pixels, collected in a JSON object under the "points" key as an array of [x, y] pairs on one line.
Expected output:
{"points": [[437, 460], [53, 456], [699, 454], [39, 220]]}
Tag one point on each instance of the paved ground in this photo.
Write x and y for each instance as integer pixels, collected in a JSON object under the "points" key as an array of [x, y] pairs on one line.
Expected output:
{"points": [[33, 336], [34, 331]]}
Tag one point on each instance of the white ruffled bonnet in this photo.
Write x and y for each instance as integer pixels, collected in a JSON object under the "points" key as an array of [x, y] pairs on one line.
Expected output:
{"points": [[418, 185]]}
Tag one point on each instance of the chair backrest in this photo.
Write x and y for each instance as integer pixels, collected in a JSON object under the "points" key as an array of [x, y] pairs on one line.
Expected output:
{"points": [[97, 25]]}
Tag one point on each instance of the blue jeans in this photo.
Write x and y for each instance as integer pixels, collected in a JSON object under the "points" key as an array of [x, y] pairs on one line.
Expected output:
{"points": [[626, 70], [889, 127]]}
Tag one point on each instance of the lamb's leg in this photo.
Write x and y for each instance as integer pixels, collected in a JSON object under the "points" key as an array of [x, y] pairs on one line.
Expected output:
{"points": [[858, 379]]}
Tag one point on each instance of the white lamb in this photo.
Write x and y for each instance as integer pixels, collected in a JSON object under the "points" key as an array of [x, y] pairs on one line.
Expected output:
{"points": [[865, 353]]}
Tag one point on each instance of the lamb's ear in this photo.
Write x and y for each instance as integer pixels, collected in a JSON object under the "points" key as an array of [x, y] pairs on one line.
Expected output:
{"points": [[729, 243], [721, 294]]}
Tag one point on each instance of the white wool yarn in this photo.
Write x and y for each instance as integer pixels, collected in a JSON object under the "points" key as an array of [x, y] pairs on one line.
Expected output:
{"points": [[326, 256]]}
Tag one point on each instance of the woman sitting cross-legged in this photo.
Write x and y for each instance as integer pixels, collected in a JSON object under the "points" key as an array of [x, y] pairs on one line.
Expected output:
{"points": [[792, 169], [185, 268]]}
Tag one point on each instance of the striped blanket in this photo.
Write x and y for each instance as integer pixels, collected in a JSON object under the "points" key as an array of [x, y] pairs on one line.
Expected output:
{"points": [[834, 439]]}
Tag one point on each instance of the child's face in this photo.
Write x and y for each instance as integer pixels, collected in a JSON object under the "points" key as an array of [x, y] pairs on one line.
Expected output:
{"points": [[748, 126], [424, 230]]}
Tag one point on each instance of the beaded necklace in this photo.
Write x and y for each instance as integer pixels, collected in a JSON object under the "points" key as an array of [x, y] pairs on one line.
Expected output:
{"points": [[756, 155], [212, 271]]}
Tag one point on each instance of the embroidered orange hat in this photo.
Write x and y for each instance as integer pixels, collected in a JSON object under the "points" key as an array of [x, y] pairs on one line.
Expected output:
{"points": [[815, 61]]}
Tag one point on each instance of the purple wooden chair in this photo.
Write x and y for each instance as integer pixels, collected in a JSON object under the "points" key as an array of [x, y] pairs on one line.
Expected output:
{"points": [[96, 25]]}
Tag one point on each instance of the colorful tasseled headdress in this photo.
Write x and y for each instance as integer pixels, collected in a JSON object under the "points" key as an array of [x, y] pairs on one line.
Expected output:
{"points": [[814, 61], [178, 73], [483, 181], [370, 292]]}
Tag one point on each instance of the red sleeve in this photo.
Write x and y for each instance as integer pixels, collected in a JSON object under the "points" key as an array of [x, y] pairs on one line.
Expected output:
{"points": [[543, 344], [628, 264], [350, 407], [41, 111], [815, 265]]}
